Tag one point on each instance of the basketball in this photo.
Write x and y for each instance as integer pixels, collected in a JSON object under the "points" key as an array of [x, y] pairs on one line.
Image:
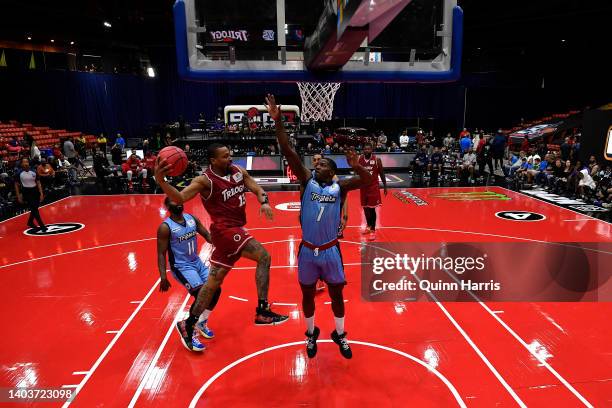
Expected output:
{"points": [[176, 157]]}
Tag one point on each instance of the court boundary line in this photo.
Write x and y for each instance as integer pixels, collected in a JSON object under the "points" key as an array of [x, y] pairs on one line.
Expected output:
{"points": [[429, 368], [110, 345], [553, 204], [146, 377], [473, 345]]}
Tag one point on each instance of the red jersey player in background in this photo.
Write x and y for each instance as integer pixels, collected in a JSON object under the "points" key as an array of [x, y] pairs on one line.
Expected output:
{"points": [[134, 165], [222, 189], [370, 194]]}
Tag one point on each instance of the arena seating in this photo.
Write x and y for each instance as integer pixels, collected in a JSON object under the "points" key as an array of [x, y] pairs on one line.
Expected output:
{"points": [[44, 136]]}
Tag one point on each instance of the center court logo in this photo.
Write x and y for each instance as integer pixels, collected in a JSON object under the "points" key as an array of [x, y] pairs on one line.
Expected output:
{"points": [[472, 196], [55, 229]]}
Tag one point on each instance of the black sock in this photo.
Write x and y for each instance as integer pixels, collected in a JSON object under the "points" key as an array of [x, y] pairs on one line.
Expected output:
{"points": [[262, 304], [191, 320]]}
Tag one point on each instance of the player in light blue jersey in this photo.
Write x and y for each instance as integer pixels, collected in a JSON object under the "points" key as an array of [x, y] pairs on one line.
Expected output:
{"points": [[319, 256], [177, 236]]}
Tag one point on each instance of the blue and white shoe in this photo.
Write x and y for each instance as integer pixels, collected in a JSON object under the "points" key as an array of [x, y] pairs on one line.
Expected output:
{"points": [[196, 343], [204, 330]]}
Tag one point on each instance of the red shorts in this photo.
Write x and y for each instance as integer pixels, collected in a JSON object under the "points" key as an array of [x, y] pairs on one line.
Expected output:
{"points": [[228, 243], [370, 196]]}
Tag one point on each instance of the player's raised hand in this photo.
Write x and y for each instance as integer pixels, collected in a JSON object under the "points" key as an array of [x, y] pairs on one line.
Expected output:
{"points": [[162, 168], [351, 157], [273, 109], [267, 211]]}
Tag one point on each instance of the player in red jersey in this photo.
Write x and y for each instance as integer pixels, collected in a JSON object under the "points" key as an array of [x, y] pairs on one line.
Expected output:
{"points": [[222, 189], [370, 194]]}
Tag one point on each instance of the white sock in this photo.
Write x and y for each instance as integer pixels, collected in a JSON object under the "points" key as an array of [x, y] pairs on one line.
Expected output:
{"points": [[310, 324], [204, 315], [339, 324]]}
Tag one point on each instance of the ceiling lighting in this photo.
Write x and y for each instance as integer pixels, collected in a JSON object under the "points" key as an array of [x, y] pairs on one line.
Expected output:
{"points": [[52, 41], [563, 41], [151, 72], [29, 38], [71, 42], [107, 24]]}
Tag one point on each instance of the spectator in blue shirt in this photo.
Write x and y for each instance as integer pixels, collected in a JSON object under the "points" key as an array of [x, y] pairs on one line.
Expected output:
{"points": [[539, 167], [498, 146], [465, 143], [119, 140]]}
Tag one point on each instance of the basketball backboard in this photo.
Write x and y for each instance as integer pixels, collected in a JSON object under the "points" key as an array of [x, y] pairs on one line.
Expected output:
{"points": [[343, 40]]}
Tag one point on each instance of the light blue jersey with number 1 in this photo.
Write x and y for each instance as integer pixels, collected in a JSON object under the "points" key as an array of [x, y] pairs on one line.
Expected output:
{"points": [[320, 212]]}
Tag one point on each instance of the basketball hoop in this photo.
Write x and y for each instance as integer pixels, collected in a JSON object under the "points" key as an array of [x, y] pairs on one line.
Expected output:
{"points": [[317, 99]]}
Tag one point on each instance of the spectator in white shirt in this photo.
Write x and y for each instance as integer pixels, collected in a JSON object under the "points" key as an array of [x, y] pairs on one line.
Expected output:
{"points": [[404, 140]]}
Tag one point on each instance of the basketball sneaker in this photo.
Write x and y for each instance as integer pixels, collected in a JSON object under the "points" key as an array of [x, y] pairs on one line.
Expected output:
{"points": [[343, 345], [311, 342], [366, 231], [204, 330], [266, 317], [187, 337], [372, 236]]}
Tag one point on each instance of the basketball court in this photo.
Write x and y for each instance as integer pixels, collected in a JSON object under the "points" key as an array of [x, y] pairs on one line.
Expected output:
{"points": [[98, 324]]}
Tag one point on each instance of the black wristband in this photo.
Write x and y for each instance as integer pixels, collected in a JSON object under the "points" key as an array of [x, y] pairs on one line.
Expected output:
{"points": [[266, 200]]}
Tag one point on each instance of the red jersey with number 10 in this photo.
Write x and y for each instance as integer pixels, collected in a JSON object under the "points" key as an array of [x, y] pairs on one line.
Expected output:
{"points": [[226, 202]]}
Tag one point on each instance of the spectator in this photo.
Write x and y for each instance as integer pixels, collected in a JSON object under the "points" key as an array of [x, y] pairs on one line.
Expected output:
{"points": [[45, 173], [34, 153], [133, 165], [80, 144], [145, 146], [556, 175], [476, 142], [404, 140], [448, 142], [498, 146], [150, 159], [117, 155], [465, 143], [101, 140], [515, 163], [467, 166], [483, 155], [566, 149], [327, 149], [421, 161], [593, 166], [318, 138], [329, 139], [57, 152], [525, 144], [382, 138], [586, 184], [69, 151], [539, 166], [120, 141], [464, 133], [436, 161]]}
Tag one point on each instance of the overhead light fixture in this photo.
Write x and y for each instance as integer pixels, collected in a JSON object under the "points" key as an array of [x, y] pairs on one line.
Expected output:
{"points": [[71, 42], [150, 72], [29, 38], [563, 41], [107, 24], [52, 40]]}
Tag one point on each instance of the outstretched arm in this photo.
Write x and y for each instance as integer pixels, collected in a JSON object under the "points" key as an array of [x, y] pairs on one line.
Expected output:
{"points": [[262, 196], [381, 171], [163, 236], [295, 163], [199, 184], [363, 176]]}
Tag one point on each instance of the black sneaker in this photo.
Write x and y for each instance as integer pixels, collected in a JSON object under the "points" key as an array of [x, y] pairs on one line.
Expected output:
{"points": [[186, 334], [266, 317], [311, 342], [342, 342]]}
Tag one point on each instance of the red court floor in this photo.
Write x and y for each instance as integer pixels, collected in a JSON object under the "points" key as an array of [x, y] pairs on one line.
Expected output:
{"points": [[83, 311]]}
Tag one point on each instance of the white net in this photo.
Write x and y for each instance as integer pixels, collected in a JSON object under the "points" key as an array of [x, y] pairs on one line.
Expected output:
{"points": [[317, 100]]}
